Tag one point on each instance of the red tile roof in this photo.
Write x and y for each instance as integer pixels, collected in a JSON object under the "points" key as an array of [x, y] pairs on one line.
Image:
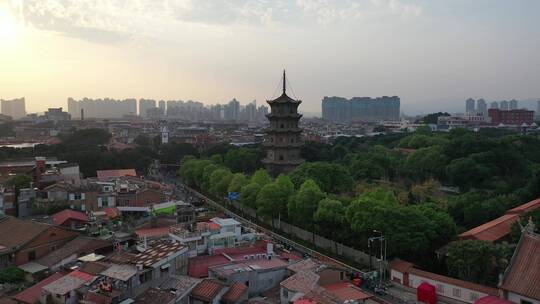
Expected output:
{"points": [[530, 206], [92, 297], [31, 295], [493, 230], [198, 266], [112, 212], [401, 266], [16, 232], [346, 291], [207, 290], [500, 227], [523, 274], [68, 214], [103, 175], [81, 275], [235, 292], [152, 232]]}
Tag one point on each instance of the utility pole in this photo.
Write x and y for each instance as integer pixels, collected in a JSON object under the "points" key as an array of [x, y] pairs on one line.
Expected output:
{"points": [[382, 258]]}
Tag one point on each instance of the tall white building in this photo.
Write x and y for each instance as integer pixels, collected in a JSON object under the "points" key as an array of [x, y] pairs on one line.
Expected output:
{"points": [[504, 105], [102, 108], [513, 104], [15, 108], [145, 105], [469, 105], [481, 106]]}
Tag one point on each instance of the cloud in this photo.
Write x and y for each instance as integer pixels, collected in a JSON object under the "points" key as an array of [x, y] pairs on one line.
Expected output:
{"points": [[113, 21]]}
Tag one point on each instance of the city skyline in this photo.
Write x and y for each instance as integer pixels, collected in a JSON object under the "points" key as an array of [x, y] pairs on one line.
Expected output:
{"points": [[213, 51]]}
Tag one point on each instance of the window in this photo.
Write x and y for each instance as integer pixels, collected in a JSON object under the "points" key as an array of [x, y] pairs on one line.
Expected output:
{"points": [[285, 293], [145, 277], [247, 283], [440, 288], [341, 275], [474, 296], [456, 292], [281, 157], [31, 255], [281, 126], [525, 302]]}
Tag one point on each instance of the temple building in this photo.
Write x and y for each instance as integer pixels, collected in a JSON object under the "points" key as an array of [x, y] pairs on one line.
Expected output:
{"points": [[283, 137]]}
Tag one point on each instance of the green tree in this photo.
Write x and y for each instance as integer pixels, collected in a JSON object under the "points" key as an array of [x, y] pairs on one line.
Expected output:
{"points": [[477, 261], [329, 177], [330, 216], [20, 181], [273, 198], [304, 203], [426, 163], [238, 181], [219, 181], [242, 160], [12, 275], [248, 195], [261, 177]]}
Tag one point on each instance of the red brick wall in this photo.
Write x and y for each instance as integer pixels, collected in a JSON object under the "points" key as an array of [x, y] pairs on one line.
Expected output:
{"points": [[51, 239]]}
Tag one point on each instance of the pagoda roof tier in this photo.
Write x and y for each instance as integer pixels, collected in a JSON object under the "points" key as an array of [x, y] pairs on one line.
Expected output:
{"points": [[284, 98], [282, 131], [271, 116]]}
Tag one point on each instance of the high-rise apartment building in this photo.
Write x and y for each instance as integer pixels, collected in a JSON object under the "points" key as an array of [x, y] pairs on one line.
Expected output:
{"points": [[513, 104], [361, 108], [469, 106], [145, 105], [15, 108], [494, 105], [101, 108], [162, 106], [481, 107], [504, 105], [232, 110]]}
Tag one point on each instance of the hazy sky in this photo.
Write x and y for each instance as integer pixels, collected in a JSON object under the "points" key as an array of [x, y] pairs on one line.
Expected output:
{"points": [[431, 53]]}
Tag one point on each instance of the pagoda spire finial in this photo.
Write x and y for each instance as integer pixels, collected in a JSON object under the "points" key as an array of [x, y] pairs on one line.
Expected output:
{"points": [[284, 82]]}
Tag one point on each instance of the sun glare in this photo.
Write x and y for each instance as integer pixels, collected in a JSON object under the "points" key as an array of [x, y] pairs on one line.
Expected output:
{"points": [[10, 29]]}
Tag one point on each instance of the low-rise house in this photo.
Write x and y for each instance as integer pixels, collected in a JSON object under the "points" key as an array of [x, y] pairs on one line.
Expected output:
{"points": [[521, 280], [109, 175], [82, 197], [64, 290], [208, 292], [181, 286], [216, 234], [237, 293], [32, 294], [70, 219], [260, 274], [23, 241], [404, 273], [70, 252], [314, 280]]}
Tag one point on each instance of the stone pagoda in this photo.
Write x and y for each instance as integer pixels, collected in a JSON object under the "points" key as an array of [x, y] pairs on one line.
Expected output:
{"points": [[283, 137]]}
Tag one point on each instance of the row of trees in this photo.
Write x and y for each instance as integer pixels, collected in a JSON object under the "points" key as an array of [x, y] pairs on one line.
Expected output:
{"points": [[412, 230]]}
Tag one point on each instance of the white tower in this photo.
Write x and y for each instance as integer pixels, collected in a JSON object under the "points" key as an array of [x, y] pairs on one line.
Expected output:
{"points": [[164, 135]]}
